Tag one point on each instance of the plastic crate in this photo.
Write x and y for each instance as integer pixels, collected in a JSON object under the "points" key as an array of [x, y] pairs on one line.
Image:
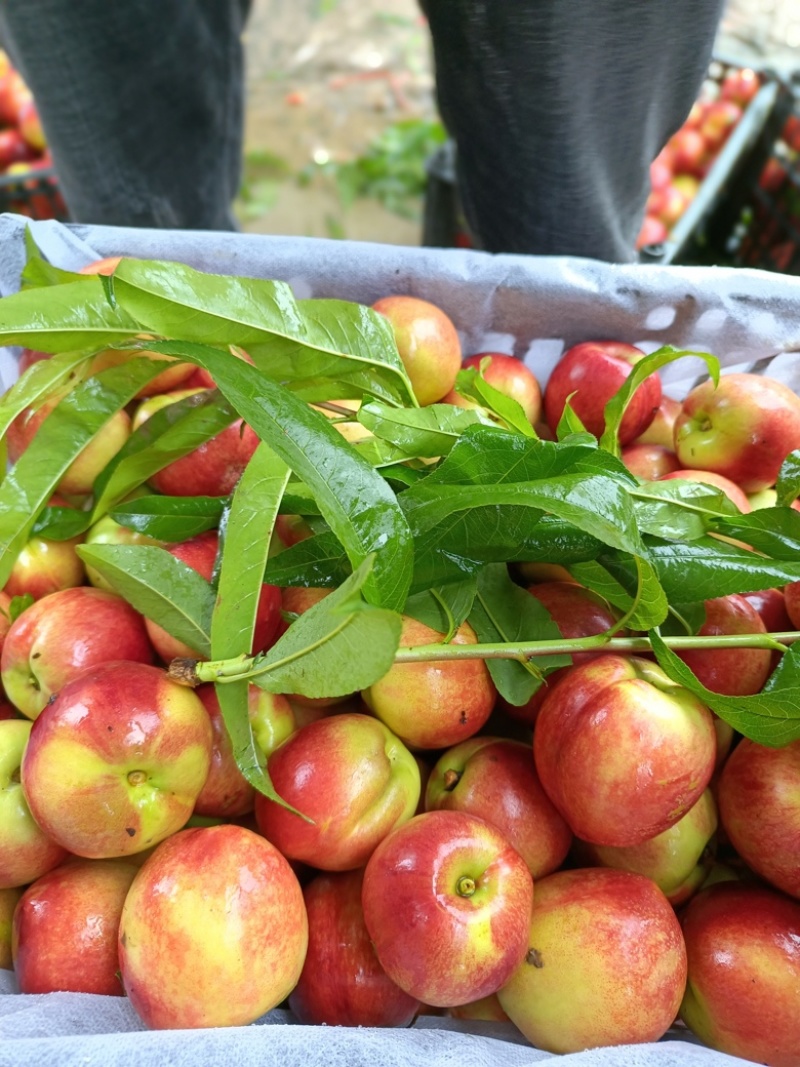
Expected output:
{"points": [[758, 225], [742, 215], [736, 166], [34, 193]]}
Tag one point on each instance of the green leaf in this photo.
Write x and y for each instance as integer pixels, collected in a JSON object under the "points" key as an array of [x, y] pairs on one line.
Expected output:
{"points": [[286, 338], [379, 453], [245, 545], [444, 608], [679, 509], [649, 606], [570, 425], [684, 619], [39, 382], [63, 435], [402, 475], [599, 505], [19, 604], [557, 541], [615, 408], [774, 531], [484, 502], [339, 646], [634, 590], [708, 568], [344, 342], [788, 483], [473, 386], [65, 318], [491, 455], [430, 431], [503, 611], [770, 718], [170, 518], [169, 434], [160, 587], [60, 523], [595, 576], [356, 502], [318, 560], [37, 271]]}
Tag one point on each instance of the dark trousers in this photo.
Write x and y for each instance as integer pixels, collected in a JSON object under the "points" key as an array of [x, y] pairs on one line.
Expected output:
{"points": [[557, 108], [141, 102]]}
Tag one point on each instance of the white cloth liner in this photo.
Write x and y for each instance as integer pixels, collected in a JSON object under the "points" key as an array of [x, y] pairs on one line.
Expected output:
{"points": [[529, 306]]}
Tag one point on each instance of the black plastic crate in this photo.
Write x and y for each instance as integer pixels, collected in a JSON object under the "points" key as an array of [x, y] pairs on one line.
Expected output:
{"points": [[697, 236], [758, 223], [736, 167], [34, 193]]}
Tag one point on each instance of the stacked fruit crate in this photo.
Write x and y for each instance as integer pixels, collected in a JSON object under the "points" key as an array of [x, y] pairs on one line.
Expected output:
{"points": [[28, 182]]}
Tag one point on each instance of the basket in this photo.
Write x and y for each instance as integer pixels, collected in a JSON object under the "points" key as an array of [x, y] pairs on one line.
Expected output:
{"points": [[34, 193]]}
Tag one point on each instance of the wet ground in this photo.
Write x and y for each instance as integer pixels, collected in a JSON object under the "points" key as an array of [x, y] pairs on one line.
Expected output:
{"points": [[326, 78]]}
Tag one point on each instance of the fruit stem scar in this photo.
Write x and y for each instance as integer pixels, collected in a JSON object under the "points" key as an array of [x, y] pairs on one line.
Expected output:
{"points": [[534, 958], [137, 777], [465, 886], [451, 779]]}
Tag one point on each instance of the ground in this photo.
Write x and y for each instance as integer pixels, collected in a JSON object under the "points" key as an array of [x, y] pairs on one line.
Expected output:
{"points": [[327, 77]]}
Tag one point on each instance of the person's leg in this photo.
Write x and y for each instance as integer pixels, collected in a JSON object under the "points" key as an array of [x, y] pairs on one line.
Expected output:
{"points": [[557, 107], [141, 102]]}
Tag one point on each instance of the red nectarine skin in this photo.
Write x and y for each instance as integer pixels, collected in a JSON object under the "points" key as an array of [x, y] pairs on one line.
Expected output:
{"points": [[213, 468], [79, 477], [428, 344], [434, 704], [342, 982], [352, 777], [743, 990], [117, 760], [622, 751], [227, 793], [733, 672], [44, 567], [8, 902], [66, 926], [661, 429], [529, 711], [496, 780], [510, 376], [200, 553], [61, 635], [447, 904], [107, 265], [792, 600], [771, 606], [606, 963], [594, 371], [759, 806], [743, 429], [26, 852], [649, 461], [731, 489], [576, 611], [214, 930], [175, 376], [677, 860]]}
